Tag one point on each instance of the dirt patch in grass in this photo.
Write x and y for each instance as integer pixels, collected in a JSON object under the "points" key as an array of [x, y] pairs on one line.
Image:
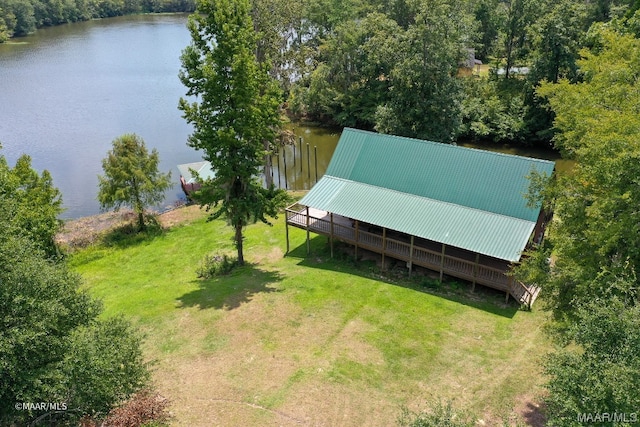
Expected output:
{"points": [[181, 215], [83, 232], [532, 412]]}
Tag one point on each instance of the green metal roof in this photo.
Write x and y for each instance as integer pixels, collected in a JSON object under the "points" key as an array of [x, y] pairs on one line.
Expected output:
{"points": [[468, 198], [484, 180], [202, 168]]}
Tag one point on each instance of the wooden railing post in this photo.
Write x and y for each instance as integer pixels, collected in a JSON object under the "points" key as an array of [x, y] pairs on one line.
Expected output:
{"points": [[475, 272], [356, 249], [506, 299], [442, 263], [308, 243], [411, 255], [384, 246], [286, 227], [331, 232]]}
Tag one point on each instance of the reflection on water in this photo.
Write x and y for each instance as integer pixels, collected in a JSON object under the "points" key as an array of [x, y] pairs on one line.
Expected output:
{"points": [[300, 165]]}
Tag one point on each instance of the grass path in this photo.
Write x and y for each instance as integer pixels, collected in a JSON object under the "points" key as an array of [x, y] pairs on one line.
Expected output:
{"points": [[307, 340]]}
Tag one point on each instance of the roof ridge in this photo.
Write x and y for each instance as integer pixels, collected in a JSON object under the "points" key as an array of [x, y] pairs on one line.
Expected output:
{"points": [[428, 198], [450, 146]]}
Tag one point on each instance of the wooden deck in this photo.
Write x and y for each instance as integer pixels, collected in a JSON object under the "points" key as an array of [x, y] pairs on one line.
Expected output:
{"points": [[415, 251]]}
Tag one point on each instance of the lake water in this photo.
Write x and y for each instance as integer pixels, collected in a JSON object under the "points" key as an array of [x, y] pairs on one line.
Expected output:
{"points": [[66, 92]]}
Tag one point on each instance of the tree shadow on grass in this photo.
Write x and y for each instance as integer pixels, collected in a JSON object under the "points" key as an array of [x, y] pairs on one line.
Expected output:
{"points": [[456, 290], [232, 290], [534, 415]]}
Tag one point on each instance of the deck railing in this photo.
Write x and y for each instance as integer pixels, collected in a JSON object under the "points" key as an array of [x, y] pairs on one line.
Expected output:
{"points": [[414, 254]]}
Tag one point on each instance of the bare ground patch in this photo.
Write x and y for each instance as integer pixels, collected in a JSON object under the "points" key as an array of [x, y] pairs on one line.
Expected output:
{"points": [[83, 232]]}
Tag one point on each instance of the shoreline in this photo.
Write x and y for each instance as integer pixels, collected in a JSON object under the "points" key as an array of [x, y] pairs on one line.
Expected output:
{"points": [[81, 232]]}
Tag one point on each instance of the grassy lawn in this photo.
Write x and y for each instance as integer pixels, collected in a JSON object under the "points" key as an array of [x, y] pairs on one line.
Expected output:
{"points": [[309, 340]]}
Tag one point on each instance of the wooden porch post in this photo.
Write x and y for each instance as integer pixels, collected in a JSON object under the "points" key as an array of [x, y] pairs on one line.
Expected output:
{"points": [[357, 237], [506, 299], [331, 232], [475, 272], [411, 255], [308, 243], [286, 228], [442, 264], [384, 245]]}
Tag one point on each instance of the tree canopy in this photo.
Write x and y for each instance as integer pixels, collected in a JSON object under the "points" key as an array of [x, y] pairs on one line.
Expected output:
{"points": [[35, 202], [591, 278], [131, 177], [235, 116]]}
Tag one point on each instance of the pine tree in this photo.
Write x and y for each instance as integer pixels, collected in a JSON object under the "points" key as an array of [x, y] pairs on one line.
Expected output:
{"points": [[131, 177]]}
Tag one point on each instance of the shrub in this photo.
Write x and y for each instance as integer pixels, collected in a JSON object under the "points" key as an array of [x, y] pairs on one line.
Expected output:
{"points": [[216, 265], [440, 415]]}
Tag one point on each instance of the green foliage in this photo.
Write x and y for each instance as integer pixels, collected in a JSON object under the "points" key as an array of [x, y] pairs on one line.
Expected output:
{"points": [[280, 26], [439, 415], [216, 265], [426, 95], [494, 110], [556, 40], [131, 177], [352, 79], [5, 21], [393, 69], [591, 283], [40, 307], [238, 115], [488, 27], [603, 376], [33, 204], [51, 346], [597, 237], [103, 366]]}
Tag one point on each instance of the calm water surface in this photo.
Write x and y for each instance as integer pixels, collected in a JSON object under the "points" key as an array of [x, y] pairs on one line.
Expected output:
{"points": [[66, 92]]}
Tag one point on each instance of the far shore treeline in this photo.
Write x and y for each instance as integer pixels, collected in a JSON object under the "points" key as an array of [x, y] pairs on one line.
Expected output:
{"points": [[21, 17]]}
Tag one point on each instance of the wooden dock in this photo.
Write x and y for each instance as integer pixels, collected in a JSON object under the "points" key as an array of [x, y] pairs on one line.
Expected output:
{"points": [[451, 261]]}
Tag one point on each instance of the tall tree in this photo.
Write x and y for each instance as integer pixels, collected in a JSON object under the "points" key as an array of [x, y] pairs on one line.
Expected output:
{"points": [[516, 16], [131, 177], [425, 94], [556, 40], [237, 108], [591, 283], [598, 235], [354, 76]]}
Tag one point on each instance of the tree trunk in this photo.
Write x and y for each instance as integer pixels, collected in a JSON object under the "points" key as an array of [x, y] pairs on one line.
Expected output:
{"points": [[238, 240], [268, 179], [141, 220]]}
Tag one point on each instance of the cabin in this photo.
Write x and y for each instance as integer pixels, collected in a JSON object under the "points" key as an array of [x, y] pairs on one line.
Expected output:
{"points": [[189, 172], [454, 210]]}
